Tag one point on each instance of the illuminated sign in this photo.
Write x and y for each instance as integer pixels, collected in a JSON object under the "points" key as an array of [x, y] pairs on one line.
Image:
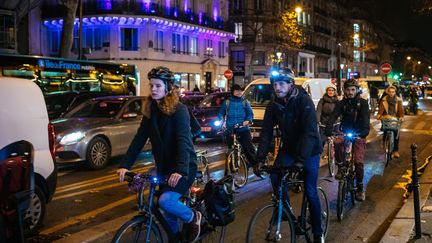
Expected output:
{"points": [[53, 64]]}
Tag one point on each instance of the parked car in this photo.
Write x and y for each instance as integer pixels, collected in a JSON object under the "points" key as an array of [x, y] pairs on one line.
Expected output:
{"points": [[98, 129], [58, 103], [23, 116], [192, 100], [207, 114]]}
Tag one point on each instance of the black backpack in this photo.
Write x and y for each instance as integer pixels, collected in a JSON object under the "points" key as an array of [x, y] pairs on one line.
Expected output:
{"points": [[219, 201]]}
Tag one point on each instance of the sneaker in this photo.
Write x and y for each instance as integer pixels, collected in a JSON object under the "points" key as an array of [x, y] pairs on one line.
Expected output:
{"points": [[340, 173], [194, 227], [360, 195], [396, 154], [319, 239]]}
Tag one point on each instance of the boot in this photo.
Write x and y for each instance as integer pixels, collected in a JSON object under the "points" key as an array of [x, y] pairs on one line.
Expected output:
{"points": [[396, 154], [360, 193]]}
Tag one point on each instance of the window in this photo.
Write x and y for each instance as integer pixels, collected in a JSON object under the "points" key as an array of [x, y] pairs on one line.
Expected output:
{"points": [[357, 42], [303, 64], [238, 4], [259, 58], [356, 56], [238, 32], [194, 46], [7, 31], [258, 4], [259, 33], [208, 47], [54, 41], [221, 49], [185, 49], [238, 57], [158, 41], [93, 39], [129, 39], [356, 28], [176, 46]]}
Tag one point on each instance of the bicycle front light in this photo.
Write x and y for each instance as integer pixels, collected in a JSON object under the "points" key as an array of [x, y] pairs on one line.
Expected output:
{"points": [[405, 103], [350, 135], [217, 123], [155, 179]]}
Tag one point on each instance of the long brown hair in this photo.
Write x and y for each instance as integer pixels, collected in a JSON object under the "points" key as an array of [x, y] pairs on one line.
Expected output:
{"points": [[167, 105]]}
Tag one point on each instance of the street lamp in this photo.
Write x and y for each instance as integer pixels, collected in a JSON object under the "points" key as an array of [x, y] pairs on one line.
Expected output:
{"points": [[298, 10], [408, 58], [376, 71], [356, 36], [419, 62], [429, 67]]}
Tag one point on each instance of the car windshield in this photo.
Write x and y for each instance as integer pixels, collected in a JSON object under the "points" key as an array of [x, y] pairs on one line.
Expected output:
{"points": [[259, 94], [96, 109], [213, 100]]}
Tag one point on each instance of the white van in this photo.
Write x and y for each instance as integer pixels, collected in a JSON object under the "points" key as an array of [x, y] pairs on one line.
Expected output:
{"points": [[23, 116], [316, 88]]}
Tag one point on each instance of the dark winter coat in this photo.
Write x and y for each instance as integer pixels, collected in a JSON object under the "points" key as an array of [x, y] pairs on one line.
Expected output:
{"points": [[172, 147], [325, 108], [296, 119], [355, 116]]}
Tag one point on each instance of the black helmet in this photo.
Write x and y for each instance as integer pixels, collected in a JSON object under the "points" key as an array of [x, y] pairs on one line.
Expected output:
{"points": [[282, 75], [164, 74], [351, 82]]}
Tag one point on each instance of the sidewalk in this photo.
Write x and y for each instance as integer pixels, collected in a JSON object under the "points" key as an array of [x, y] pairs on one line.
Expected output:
{"points": [[426, 222]]}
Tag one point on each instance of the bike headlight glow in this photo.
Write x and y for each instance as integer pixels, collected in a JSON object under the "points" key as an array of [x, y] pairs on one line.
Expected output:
{"points": [[350, 135], [405, 103], [274, 73], [217, 123], [72, 138], [155, 179]]}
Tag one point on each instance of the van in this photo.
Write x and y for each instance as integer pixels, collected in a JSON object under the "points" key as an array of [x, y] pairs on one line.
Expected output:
{"points": [[260, 92], [23, 116]]}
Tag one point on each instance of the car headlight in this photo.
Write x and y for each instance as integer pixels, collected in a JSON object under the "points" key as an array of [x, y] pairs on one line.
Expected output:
{"points": [[217, 123], [405, 103], [72, 138]]}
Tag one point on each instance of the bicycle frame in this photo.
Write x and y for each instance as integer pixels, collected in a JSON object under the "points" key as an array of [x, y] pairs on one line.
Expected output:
{"points": [[236, 150]]}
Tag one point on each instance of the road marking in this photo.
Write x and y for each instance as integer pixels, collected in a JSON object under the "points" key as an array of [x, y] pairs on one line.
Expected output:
{"points": [[86, 216], [89, 190], [420, 125], [418, 132]]}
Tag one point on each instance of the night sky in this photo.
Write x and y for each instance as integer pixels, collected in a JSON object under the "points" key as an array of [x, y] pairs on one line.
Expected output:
{"points": [[405, 25]]}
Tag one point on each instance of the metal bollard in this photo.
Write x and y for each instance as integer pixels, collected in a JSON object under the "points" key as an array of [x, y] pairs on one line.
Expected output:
{"points": [[415, 187]]}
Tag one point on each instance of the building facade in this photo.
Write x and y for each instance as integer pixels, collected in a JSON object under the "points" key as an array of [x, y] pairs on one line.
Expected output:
{"points": [[188, 36]]}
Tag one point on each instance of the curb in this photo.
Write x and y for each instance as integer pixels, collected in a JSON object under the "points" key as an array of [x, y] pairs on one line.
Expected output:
{"points": [[403, 224]]}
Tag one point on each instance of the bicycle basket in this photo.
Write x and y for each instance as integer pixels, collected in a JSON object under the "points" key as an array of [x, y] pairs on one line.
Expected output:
{"points": [[390, 124]]}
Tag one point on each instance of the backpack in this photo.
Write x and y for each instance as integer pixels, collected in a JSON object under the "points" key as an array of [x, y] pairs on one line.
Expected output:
{"points": [[227, 102], [219, 201]]}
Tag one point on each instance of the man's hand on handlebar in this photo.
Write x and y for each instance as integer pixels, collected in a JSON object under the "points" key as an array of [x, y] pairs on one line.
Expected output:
{"points": [[121, 172]]}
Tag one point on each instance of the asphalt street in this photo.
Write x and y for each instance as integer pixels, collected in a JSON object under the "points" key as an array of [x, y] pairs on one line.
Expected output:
{"points": [[85, 199]]}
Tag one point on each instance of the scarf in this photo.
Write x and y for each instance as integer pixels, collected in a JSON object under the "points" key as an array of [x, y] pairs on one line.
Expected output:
{"points": [[391, 105]]}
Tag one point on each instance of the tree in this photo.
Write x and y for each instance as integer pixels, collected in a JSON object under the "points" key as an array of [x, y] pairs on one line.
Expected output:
{"points": [[68, 26], [290, 34], [422, 6]]}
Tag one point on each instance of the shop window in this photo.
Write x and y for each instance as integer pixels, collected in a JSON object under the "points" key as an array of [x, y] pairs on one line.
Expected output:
{"points": [[259, 58]]}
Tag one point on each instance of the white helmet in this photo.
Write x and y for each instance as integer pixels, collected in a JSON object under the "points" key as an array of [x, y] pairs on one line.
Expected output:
{"points": [[331, 86]]}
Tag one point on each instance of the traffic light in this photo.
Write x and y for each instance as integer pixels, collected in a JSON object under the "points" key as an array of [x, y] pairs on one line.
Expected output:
{"points": [[395, 77]]}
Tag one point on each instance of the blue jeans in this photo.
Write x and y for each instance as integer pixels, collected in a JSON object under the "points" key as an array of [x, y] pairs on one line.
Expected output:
{"points": [[173, 210], [311, 169]]}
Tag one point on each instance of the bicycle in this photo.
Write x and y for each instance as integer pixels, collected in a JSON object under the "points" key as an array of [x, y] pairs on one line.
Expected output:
{"points": [[145, 227], [203, 168], [331, 161], [346, 185], [277, 221], [235, 161], [390, 126]]}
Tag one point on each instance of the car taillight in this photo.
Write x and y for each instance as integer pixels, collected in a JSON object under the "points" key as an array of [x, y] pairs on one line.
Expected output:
{"points": [[51, 139]]}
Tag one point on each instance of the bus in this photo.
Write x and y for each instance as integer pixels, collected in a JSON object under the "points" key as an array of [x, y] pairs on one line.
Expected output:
{"points": [[56, 75]]}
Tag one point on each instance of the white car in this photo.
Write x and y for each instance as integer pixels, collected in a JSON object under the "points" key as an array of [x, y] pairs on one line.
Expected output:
{"points": [[23, 116]]}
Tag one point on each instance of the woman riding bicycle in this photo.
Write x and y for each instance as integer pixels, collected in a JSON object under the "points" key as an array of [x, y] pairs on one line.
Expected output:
{"points": [[391, 107], [325, 109], [166, 122]]}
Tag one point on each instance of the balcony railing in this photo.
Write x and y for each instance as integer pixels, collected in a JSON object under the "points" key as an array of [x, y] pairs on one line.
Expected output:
{"points": [[141, 8]]}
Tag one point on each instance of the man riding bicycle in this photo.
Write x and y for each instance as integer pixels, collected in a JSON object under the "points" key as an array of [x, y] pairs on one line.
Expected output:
{"points": [[354, 113], [166, 123], [237, 114], [391, 107], [294, 112]]}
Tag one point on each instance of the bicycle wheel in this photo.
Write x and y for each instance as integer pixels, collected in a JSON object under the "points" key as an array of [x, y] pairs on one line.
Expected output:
{"points": [[238, 169], [136, 230], [331, 159], [341, 199], [263, 226], [388, 148], [325, 216], [212, 234]]}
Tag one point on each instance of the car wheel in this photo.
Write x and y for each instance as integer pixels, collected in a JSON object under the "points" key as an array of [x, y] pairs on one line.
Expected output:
{"points": [[35, 214], [98, 153]]}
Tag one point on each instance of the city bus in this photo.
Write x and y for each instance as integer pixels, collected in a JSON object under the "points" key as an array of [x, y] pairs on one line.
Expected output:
{"points": [[56, 75]]}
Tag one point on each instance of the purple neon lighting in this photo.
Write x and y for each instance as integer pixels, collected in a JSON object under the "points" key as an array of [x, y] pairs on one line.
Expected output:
{"points": [[146, 5], [200, 16], [105, 5], [215, 13]]}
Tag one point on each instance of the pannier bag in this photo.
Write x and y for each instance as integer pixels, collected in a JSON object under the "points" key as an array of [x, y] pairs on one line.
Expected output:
{"points": [[219, 201]]}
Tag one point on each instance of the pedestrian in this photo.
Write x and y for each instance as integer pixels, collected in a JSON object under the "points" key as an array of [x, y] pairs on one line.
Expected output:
{"points": [[374, 95], [166, 123], [293, 111], [325, 108], [355, 118], [390, 108], [237, 115], [196, 89]]}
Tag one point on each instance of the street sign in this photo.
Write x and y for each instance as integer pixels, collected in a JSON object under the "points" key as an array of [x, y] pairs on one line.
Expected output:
{"points": [[228, 74], [386, 68]]}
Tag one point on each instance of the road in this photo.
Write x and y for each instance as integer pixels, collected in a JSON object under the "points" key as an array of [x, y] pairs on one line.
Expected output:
{"points": [[85, 199]]}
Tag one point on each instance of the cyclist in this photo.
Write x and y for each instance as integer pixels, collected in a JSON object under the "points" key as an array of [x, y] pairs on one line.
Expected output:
{"points": [[354, 112], [294, 112], [391, 107], [237, 111], [325, 108], [166, 122]]}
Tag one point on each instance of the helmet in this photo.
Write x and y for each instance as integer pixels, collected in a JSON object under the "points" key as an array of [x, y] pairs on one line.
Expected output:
{"points": [[164, 74], [351, 82], [331, 86], [282, 75]]}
